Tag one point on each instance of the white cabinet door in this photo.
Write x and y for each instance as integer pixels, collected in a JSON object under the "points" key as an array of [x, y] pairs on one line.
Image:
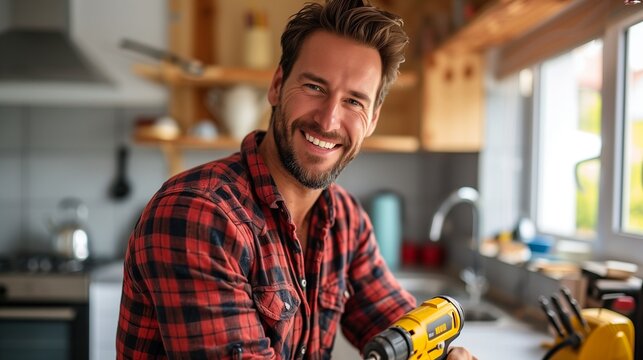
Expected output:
{"points": [[104, 303]]}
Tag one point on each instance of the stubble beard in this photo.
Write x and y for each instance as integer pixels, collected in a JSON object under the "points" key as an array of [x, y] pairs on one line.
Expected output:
{"points": [[284, 140]]}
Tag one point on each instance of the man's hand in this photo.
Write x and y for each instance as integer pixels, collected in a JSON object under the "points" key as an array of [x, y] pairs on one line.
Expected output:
{"points": [[460, 353]]}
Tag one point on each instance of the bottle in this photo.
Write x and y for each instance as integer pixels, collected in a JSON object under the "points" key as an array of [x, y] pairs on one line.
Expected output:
{"points": [[386, 216], [257, 52]]}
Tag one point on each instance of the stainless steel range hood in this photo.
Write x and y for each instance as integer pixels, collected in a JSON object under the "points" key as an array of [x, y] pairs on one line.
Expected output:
{"points": [[36, 45], [38, 55], [66, 52]]}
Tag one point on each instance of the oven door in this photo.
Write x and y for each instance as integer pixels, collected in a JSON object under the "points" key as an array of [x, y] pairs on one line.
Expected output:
{"points": [[44, 331]]}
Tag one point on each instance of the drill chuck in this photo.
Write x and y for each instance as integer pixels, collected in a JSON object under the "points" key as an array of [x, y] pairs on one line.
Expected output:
{"points": [[393, 343], [423, 333]]}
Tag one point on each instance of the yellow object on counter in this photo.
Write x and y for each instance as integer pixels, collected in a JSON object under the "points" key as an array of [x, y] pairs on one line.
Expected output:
{"points": [[611, 337]]}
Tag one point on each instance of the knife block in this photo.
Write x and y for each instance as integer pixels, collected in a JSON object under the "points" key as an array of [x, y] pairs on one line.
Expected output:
{"points": [[611, 337]]}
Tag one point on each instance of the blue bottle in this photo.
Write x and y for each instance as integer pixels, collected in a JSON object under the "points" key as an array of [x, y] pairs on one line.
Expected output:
{"points": [[386, 216]]}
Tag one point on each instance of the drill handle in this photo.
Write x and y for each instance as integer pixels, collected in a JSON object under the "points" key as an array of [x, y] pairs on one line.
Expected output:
{"points": [[445, 352]]}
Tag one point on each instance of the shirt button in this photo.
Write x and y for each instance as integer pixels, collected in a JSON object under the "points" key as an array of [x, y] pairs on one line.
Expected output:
{"points": [[287, 306], [347, 294], [303, 283], [302, 351]]}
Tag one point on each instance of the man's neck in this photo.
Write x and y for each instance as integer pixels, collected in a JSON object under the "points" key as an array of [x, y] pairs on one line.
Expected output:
{"points": [[298, 198]]}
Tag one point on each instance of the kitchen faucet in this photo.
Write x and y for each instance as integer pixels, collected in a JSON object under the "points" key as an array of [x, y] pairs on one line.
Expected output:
{"points": [[473, 277]]}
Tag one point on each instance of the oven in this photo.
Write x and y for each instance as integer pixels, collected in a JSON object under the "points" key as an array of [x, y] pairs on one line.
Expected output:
{"points": [[44, 315]]}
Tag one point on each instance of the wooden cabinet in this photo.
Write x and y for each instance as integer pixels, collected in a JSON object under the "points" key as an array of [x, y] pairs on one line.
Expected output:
{"points": [[453, 96]]}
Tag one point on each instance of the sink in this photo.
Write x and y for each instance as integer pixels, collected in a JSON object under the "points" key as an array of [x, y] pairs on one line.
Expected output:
{"points": [[424, 285]]}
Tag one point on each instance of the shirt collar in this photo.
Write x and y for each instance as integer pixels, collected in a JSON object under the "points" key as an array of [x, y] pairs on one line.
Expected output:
{"points": [[265, 187]]}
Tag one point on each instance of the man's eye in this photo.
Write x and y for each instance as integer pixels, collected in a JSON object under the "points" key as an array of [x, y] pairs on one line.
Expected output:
{"points": [[354, 102], [314, 87]]}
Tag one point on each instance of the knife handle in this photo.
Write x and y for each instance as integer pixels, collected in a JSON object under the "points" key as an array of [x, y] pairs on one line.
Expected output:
{"points": [[563, 315], [551, 316], [575, 308]]}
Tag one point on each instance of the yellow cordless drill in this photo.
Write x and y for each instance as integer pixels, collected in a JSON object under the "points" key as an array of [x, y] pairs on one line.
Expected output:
{"points": [[426, 330]]}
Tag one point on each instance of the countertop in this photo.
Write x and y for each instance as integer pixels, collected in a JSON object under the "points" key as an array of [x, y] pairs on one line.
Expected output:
{"points": [[505, 339], [511, 340], [508, 338]]}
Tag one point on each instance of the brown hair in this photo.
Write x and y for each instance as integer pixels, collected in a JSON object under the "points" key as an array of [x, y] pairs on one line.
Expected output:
{"points": [[353, 19]]}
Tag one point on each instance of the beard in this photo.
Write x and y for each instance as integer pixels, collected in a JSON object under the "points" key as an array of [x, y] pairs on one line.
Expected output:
{"points": [[293, 164]]}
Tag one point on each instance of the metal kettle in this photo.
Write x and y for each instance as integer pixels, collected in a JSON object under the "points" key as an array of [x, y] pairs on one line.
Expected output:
{"points": [[70, 237]]}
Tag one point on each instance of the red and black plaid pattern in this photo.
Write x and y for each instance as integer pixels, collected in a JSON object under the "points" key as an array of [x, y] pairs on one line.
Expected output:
{"points": [[214, 270]]}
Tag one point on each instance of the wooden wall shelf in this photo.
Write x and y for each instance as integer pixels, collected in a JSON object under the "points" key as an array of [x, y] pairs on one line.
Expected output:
{"points": [[218, 75], [391, 143], [213, 75], [174, 147]]}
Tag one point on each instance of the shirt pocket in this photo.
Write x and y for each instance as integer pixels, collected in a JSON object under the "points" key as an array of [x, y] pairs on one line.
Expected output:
{"points": [[332, 299], [277, 305]]}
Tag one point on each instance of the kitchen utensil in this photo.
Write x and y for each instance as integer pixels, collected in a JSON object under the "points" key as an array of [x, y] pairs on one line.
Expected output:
{"points": [[386, 216], [551, 316], [120, 188], [238, 107], [204, 129], [525, 230], [190, 66], [70, 237], [563, 316], [573, 304]]}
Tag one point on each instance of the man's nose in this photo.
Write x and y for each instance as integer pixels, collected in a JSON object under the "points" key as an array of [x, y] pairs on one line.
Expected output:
{"points": [[328, 114]]}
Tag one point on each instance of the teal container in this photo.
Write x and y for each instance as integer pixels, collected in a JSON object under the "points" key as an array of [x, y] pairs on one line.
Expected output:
{"points": [[386, 216]]}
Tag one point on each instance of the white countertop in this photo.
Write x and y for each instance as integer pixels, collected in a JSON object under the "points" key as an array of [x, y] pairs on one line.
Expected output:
{"points": [[506, 339], [509, 340]]}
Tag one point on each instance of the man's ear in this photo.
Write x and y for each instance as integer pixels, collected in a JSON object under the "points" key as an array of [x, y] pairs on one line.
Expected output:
{"points": [[275, 87], [373, 123]]}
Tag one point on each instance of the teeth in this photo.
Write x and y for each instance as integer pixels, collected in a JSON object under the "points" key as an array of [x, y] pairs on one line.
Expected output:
{"points": [[320, 143]]}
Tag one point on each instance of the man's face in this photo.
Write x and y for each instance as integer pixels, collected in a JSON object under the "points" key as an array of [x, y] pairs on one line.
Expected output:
{"points": [[325, 108]]}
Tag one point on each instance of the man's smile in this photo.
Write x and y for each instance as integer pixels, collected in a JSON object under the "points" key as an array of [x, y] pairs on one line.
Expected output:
{"points": [[320, 143]]}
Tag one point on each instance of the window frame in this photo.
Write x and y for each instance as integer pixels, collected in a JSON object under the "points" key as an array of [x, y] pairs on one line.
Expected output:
{"points": [[609, 241], [613, 240]]}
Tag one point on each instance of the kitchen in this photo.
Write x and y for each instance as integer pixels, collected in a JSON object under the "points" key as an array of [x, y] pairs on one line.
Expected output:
{"points": [[61, 139]]}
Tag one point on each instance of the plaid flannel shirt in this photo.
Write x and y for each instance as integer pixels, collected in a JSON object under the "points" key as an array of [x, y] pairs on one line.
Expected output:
{"points": [[214, 269]]}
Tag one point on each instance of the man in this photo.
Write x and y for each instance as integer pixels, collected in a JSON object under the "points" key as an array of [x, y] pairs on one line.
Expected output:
{"points": [[260, 255]]}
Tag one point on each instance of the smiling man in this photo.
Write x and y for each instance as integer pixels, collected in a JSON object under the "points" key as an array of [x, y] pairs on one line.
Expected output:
{"points": [[261, 255]]}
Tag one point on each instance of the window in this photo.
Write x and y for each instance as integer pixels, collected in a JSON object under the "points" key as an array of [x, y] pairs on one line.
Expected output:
{"points": [[568, 146], [632, 163], [579, 172]]}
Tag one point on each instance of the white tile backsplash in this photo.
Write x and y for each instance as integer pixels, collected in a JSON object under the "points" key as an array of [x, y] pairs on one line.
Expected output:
{"points": [[10, 226], [10, 177], [80, 129], [38, 214], [146, 171], [48, 153], [55, 175], [11, 126]]}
